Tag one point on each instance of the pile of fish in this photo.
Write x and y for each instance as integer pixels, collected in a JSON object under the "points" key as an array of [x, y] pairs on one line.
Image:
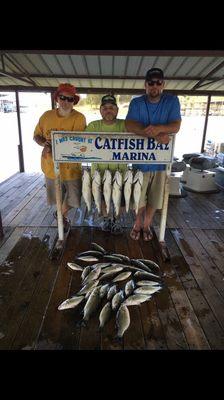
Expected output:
{"points": [[111, 186], [113, 283]]}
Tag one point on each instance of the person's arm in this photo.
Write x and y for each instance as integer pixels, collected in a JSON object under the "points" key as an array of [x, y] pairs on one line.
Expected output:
{"points": [[133, 123], [171, 127], [135, 127], [160, 132], [47, 147], [41, 140]]}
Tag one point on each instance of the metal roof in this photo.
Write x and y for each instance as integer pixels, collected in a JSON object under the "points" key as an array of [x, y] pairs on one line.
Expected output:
{"points": [[123, 71]]}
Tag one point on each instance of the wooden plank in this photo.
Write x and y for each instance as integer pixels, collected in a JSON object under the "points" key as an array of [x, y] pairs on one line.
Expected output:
{"points": [[105, 339], [11, 178], [151, 324], [190, 216], [14, 195], [189, 252], [208, 213], [37, 217], [27, 213], [7, 232], [16, 263], [49, 219], [208, 204], [58, 330], [193, 332], [217, 200], [152, 328], [208, 321], [172, 328], [134, 336], [220, 234], [12, 181], [22, 203], [90, 338], [10, 243], [29, 329], [108, 335], [18, 307], [213, 246], [206, 262], [179, 218]]}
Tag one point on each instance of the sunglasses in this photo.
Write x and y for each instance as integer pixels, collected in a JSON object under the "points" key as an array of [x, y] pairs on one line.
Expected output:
{"points": [[70, 99], [152, 83]]}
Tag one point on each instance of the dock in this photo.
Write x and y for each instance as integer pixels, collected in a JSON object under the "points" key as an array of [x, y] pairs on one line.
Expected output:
{"points": [[187, 314]]}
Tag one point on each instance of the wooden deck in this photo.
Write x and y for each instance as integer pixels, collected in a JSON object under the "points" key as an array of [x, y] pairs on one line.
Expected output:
{"points": [[187, 314]]}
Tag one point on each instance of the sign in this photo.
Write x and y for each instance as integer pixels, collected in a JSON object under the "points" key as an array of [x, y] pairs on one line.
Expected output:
{"points": [[109, 147]]}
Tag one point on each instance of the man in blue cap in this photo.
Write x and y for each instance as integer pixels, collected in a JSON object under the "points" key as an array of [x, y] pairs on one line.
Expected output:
{"points": [[159, 114]]}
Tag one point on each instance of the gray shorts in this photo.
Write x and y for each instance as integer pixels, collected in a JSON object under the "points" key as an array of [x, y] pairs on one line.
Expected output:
{"points": [[71, 192], [153, 189]]}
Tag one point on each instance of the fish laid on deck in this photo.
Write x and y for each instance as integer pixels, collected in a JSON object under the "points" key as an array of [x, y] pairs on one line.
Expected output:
{"points": [[122, 320], [71, 303], [112, 287]]}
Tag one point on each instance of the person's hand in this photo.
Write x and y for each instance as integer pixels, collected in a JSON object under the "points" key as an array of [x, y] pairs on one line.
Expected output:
{"points": [[152, 130], [163, 138], [47, 149]]}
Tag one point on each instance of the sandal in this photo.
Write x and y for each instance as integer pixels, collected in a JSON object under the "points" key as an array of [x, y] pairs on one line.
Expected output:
{"points": [[147, 235], [135, 234]]}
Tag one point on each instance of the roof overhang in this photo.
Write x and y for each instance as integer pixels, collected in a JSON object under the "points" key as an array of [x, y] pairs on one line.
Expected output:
{"points": [[121, 71]]}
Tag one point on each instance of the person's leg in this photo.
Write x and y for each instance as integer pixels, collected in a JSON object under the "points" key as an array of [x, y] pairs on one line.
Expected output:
{"points": [[149, 214], [154, 202], [65, 209], [136, 230], [50, 191], [71, 198]]}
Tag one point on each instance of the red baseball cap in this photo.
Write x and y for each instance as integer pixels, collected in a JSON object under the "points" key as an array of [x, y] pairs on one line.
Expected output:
{"points": [[66, 87]]}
